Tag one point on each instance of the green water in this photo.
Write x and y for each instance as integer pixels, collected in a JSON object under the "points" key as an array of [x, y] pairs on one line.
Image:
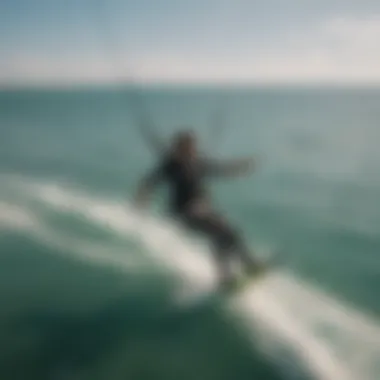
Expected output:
{"points": [[83, 299]]}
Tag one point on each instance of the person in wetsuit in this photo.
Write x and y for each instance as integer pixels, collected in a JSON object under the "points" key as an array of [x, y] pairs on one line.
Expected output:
{"points": [[185, 171]]}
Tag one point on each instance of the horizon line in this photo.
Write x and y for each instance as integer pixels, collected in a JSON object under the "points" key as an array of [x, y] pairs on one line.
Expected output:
{"points": [[187, 84]]}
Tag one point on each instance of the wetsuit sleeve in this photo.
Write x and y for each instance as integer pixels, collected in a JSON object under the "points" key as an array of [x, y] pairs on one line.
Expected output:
{"points": [[212, 168], [149, 183], [227, 168]]}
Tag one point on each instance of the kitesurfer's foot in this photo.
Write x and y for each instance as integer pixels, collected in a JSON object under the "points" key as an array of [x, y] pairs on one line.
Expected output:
{"points": [[255, 268]]}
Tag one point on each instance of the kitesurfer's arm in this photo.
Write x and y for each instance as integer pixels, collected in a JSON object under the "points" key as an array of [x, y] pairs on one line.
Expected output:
{"points": [[148, 184], [230, 168]]}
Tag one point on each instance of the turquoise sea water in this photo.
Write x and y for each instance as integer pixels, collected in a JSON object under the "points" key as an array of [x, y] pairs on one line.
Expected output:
{"points": [[89, 290]]}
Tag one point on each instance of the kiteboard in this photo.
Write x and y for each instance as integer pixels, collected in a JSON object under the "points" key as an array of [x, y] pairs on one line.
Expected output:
{"points": [[245, 280], [242, 281]]}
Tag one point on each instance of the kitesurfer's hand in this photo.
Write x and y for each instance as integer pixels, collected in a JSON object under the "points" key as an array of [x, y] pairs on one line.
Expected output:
{"points": [[250, 163], [247, 165]]}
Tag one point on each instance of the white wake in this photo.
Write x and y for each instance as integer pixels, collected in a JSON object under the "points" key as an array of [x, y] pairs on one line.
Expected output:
{"points": [[334, 341]]}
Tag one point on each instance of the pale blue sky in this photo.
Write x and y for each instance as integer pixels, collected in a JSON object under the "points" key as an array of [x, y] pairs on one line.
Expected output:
{"points": [[276, 41]]}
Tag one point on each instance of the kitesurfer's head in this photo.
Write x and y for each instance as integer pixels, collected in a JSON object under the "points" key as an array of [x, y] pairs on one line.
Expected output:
{"points": [[185, 144]]}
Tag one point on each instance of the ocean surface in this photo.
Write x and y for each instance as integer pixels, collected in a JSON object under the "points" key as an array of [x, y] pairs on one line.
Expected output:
{"points": [[91, 288]]}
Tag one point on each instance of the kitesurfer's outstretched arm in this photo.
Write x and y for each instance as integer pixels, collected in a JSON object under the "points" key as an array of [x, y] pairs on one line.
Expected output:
{"points": [[230, 168], [148, 184]]}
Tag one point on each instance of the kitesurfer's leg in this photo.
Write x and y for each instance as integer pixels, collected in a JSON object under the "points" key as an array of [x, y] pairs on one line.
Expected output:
{"points": [[232, 240], [206, 225], [225, 241]]}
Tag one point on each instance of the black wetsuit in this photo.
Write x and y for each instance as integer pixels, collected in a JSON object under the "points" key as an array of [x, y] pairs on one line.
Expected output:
{"points": [[186, 186]]}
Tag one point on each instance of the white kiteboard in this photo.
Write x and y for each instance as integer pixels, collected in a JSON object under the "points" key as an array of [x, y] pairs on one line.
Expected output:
{"points": [[268, 266]]}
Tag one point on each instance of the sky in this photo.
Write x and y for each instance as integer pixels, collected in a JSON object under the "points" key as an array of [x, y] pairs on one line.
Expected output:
{"points": [[186, 41]]}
